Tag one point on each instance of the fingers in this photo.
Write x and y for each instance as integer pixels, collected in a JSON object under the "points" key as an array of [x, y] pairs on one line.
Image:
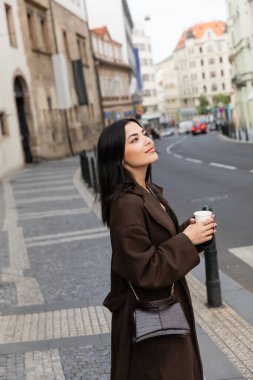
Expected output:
{"points": [[208, 221]]}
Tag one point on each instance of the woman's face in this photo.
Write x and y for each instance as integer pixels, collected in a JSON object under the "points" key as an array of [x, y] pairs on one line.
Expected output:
{"points": [[139, 148]]}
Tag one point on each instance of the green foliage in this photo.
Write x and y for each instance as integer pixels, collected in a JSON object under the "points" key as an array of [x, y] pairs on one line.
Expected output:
{"points": [[221, 99], [202, 108]]}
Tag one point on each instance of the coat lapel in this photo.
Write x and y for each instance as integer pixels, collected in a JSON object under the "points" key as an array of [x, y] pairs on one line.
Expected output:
{"points": [[154, 209]]}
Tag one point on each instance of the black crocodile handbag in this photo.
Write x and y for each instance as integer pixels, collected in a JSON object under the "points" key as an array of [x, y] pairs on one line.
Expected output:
{"points": [[158, 318]]}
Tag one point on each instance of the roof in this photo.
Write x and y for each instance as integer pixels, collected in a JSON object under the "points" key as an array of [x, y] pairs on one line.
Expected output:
{"points": [[103, 33], [197, 31]]}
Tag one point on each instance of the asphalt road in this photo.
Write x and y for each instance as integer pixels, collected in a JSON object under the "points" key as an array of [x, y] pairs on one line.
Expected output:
{"points": [[207, 170]]}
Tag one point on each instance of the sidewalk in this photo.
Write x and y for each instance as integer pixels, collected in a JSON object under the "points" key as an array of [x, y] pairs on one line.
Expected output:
{"points": [[55, 266], [243, 141]]}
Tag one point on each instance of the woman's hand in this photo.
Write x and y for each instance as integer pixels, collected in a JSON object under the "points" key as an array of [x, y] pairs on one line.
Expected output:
{"points": [[200, 232]]}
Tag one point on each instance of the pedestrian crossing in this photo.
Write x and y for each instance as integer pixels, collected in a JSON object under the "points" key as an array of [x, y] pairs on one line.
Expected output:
{"points": [[244, 253], [66, 237]]}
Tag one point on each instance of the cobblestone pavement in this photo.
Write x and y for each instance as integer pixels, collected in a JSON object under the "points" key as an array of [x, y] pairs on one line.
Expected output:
{"points": [[55, 263]]}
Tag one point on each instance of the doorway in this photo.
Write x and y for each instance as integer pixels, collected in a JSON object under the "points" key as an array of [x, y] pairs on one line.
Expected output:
{"points": [[19, 86]]}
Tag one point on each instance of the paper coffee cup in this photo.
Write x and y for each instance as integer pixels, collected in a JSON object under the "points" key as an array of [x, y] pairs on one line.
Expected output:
{"points": [[201, 216]]}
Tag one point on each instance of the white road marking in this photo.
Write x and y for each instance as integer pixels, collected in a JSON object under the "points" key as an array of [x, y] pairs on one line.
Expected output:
{"points": [[244, 253], [177, 155], [67, 240], [25, 201], [65, 234], [45, 189], [53, 213], [222, 166], [44, 177], [40, 184], [194, 160], [211, 199], [168, 149]]}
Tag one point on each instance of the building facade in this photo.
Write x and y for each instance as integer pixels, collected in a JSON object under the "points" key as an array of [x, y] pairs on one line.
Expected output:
{"points": [[143, 43], [114, 76], [116, 16], [202, 64], [167, 89], [51, 105], [240, 30], [16, 111], [64, 87]]}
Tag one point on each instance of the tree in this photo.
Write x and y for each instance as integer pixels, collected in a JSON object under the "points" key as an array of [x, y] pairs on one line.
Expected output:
{"points": [[221, 99], [203, 105]]}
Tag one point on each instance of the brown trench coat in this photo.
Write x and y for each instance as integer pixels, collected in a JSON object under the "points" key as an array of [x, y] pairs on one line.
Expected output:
{"points": [[148, 251]]}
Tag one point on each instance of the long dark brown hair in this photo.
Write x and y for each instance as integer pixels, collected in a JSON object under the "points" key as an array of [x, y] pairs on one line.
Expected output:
{"points": [[113, 178]]}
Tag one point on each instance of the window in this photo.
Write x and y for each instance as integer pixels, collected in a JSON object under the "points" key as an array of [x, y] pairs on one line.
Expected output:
{"points": [[66, 45], [223, 86], [220, 46], [82, 49], [212, 74], [38, 28], [202, 62], [214, 87], [222, 73], [200, 49], [204, 88], [44, 31], [91, 110], [203, 75], [49, 103], [3, 124], [146, 93], [221, 59], [145, 77], [10, 24], [211, 61], [30, 18]]}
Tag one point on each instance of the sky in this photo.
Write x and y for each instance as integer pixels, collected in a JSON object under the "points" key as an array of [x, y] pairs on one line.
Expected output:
{"points": [[169, 19]]}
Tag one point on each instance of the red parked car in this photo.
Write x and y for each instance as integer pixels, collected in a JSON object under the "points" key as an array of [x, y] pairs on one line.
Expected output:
{"points": [[199, 127]]}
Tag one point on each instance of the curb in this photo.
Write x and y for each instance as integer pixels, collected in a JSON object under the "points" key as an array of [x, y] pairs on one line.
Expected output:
{"points": [[229, 139]]}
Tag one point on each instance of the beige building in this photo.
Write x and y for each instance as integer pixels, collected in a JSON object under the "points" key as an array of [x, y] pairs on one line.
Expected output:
{"points": [[167, 89], [143, 43], [52, 108], [240, 30], [114, 76], [201, 58]]}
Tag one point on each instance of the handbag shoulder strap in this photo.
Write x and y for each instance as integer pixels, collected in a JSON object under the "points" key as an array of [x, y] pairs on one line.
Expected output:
{"points": [[172, 291]]}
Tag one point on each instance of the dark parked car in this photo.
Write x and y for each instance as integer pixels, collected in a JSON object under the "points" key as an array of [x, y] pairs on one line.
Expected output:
{"points": [[199, 127]]}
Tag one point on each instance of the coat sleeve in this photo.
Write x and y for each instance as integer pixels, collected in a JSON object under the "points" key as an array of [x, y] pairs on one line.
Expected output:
{"points": [[199, 247], [135, 258], [185, 224]]}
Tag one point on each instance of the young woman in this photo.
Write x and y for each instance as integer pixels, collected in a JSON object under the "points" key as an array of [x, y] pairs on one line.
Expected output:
{"points": [[149, 249]]}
